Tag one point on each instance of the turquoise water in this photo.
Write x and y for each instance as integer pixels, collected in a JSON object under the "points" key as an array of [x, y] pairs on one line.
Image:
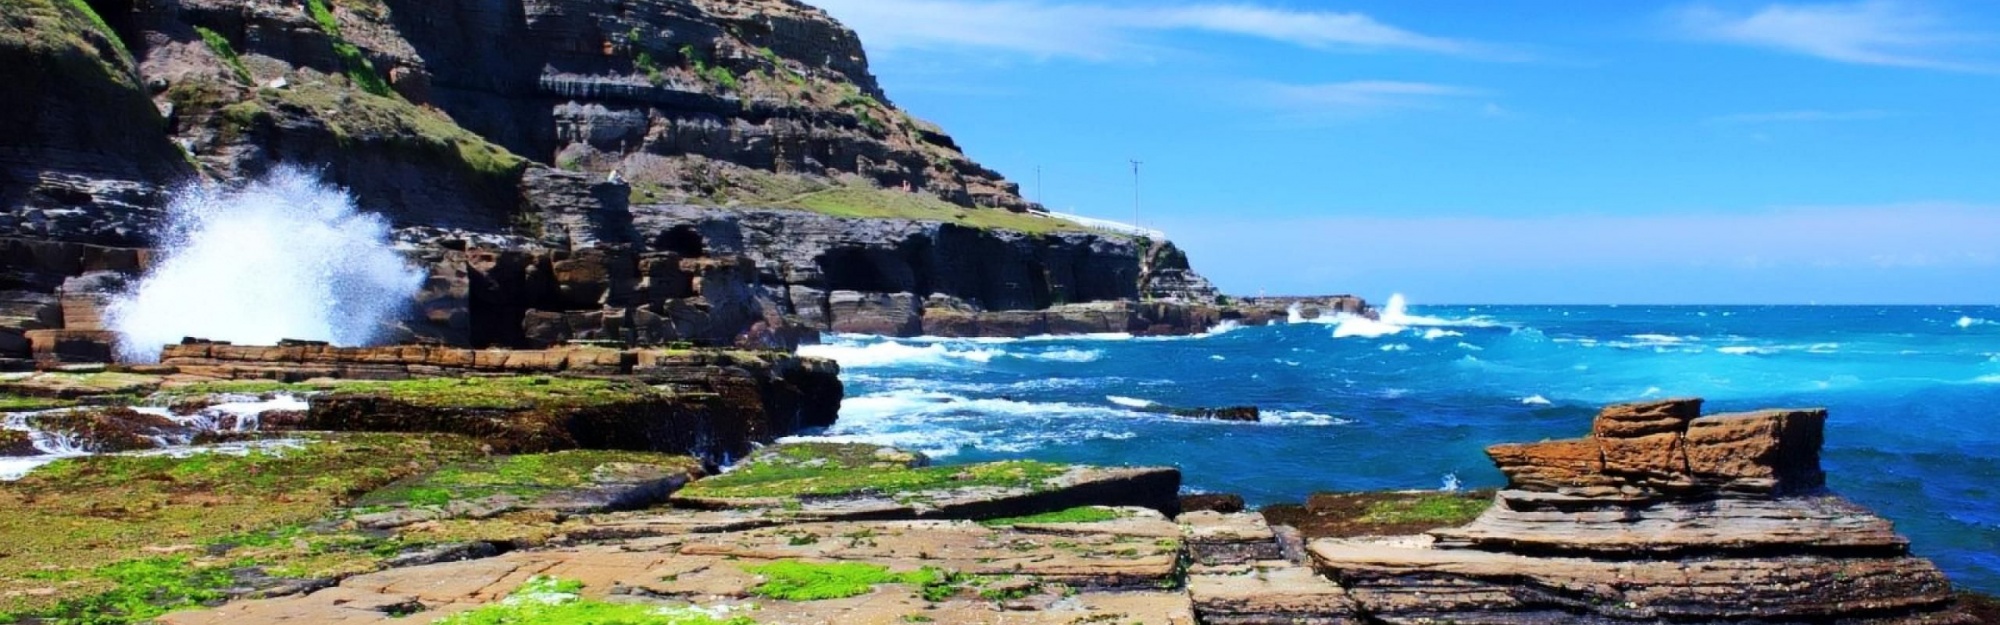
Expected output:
{"points": [[1411, 401]]}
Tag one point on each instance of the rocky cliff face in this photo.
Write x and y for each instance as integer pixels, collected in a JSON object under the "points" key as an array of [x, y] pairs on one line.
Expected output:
{"points": [[567, 169]]}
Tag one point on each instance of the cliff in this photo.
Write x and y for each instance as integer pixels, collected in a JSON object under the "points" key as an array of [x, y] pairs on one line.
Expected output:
{"points": [[740, 148]]}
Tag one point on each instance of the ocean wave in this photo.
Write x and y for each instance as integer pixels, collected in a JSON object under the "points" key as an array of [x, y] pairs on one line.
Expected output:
{"points": [[1987, 379], [1395, 347], [1745, 350], [1394, 318], [861, 353], [1536, 400], [1968, 322], [1065, 355], [892, 353], [1301, 417], [942, 424], [1131, 402]]}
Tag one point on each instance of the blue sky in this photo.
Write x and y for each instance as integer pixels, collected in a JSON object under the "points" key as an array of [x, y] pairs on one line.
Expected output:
{"points": [[1536, 151]]}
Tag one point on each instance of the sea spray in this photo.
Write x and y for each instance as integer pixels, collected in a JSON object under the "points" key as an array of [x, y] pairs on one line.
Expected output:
{"points": [[283, 257]]}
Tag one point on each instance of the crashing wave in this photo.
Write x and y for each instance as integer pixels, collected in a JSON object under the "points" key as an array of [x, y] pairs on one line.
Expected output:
{"points": [[284, 257]]}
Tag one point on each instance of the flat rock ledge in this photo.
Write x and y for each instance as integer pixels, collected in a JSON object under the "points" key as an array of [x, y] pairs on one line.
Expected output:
{"points": [[1660, 516], [1631, 548]]}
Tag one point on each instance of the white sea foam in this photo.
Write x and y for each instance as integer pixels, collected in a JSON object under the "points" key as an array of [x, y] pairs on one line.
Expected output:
{"points": [[234, 414], [1131, 402], [1395, 318], [1301, 417], [1968, 322], [1066, 355], [1988, 379], [285, 257], [1536, 400], [891, 354], [1395, 347], [943, 424], [1745, 350]]}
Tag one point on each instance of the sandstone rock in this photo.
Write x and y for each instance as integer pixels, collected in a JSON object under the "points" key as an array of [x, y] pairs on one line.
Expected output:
{"points": [[1553, 465], [1224, 503], [849, 482], [1763, 452], [1403, 584], [1215, 538], [1645, 418], [1739, 532], [1269, 593], [52, 347], [1547, 523], [85, 297]]}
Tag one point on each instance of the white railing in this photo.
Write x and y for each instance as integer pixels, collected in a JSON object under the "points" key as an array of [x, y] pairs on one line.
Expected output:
{"points": [[1108, 225]]}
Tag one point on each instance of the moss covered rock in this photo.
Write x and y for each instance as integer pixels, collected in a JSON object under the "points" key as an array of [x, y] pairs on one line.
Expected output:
{"points": [[866, 481], [538, 414]]}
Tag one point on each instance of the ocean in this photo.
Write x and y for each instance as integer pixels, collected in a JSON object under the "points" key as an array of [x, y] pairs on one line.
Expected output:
{"points": [[1410, 401]]}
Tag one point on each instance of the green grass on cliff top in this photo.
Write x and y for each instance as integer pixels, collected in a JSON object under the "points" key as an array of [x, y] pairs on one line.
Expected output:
{"points": [[869, 203], [855, 199], [832, 470]]}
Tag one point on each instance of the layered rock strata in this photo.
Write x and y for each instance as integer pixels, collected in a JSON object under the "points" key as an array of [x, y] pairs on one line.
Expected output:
{"points": [[1660, 516], [716, 405], [553, 187]]}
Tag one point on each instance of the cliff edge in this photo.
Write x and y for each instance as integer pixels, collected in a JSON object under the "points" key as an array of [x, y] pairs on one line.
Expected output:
{"points": [[654, 171]]}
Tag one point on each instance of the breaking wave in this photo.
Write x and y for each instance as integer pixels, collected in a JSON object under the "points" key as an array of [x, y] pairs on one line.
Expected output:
{"points": [[284, 257]]}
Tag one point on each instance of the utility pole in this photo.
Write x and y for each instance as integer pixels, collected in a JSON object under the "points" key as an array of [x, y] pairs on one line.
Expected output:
{"points": [[1135, 190]]}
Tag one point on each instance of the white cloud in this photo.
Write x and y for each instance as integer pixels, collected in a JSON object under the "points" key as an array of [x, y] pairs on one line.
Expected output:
{"points": [[1800, 117], [1053, 28], [1361, 95], [1872, 32]]}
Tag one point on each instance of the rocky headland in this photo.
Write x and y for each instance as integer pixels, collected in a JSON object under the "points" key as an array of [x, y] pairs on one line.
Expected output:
{"points": [[711, 172]]}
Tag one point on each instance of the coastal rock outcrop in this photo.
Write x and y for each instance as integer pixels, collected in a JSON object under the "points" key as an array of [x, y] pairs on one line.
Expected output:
{"points": [[602, 178], [1660, 516], [714, 404]]}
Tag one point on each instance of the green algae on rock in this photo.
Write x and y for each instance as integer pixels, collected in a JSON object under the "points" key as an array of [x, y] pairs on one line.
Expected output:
{"points": [[76, 526], [834, 480], [792, 580], [550, 601]]}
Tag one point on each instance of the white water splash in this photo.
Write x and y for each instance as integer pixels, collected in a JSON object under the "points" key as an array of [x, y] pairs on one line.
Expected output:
{"points": [[284, 257], [234, 414], [1451, 484]]}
